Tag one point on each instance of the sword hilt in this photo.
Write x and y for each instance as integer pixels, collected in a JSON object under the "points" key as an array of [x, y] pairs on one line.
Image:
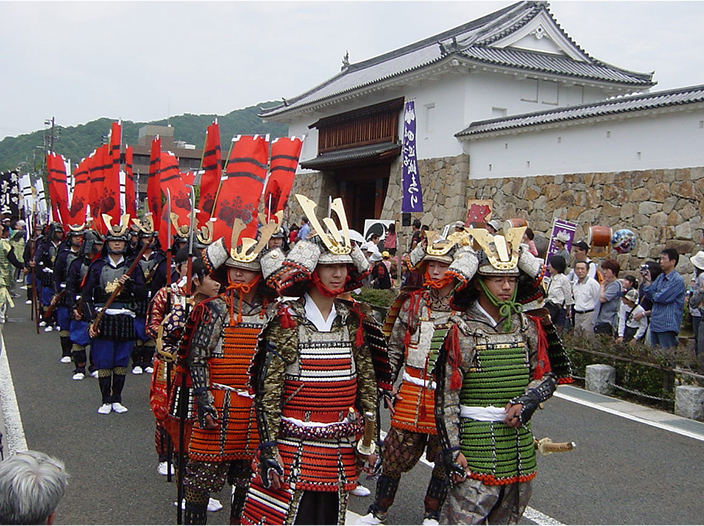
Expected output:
{"points": [[366, 444]]}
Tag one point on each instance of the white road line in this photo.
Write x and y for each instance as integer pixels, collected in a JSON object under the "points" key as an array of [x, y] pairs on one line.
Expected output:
{"points": [[14, 430], [606, 409]]}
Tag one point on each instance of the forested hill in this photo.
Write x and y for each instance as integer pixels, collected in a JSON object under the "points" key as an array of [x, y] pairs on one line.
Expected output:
{"points": [[77, 142]]}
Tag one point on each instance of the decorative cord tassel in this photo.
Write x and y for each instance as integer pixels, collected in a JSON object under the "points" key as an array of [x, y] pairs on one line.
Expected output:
{"points": [[543, 359], [455, 357]]}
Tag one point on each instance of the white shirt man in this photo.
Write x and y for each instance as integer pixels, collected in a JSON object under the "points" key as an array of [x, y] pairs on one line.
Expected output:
{"points": [[586, 298], [580, 254]]}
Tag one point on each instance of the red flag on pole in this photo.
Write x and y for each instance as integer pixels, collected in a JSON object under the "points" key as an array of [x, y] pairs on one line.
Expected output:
{"points": [[241, 189], [285, 153], [58, 189], [171, 179], [130, 192], [154, 185], [103, 196], [110, 202], [81, 190], [212, 172]]}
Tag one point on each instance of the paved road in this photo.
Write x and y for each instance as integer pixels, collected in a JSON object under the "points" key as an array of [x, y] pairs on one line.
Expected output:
{"points": [[625, 470]]}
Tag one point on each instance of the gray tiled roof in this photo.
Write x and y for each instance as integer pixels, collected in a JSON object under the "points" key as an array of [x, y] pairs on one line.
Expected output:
{"points": [[352, 154], [471, 41], [649, 101]]}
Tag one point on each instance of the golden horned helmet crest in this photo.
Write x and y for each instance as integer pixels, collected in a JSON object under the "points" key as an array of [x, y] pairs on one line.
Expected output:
{"points": [[246, 250], [117, 230], [204, 234], [145, 226], [501, 251], [78, 229], [440, 247], [181, 231], [337, 241]]}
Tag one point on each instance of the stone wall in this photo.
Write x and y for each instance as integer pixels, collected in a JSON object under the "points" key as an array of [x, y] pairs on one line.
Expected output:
{"points": [[663, 207]]}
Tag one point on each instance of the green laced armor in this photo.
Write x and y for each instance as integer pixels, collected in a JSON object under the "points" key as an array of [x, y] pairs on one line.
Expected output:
{"points": [[496, 453]]}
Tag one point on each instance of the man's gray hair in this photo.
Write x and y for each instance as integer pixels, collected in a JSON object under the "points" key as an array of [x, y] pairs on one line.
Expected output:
{"points": [[31, 486]]}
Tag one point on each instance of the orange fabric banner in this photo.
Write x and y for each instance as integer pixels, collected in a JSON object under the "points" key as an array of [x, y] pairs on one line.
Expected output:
{"points": [[241, 189], [285, 153]]}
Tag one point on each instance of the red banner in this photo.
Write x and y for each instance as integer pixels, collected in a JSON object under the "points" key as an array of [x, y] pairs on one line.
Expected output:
{"points": [[212, 172], [103, 196], [180, 195], [58, 189], [154, 185], [285, 153], [242, 187], [81, 191], [130, 193]]}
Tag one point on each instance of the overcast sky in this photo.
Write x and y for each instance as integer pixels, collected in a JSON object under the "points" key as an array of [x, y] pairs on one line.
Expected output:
{"points": [[142, 61]]}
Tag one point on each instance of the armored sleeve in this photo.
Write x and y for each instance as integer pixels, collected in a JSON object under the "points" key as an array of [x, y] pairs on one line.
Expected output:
{"points": [[366, 378], [208, 323], [157, 311], [455, 357], [280, 350]]}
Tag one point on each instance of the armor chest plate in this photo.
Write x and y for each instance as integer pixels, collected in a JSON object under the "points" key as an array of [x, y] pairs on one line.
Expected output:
{"points": [[147, 266], [325, 365], [500, 371], [70, 258], [84, 269], [109, 277], [231, 366], [420, 345]]}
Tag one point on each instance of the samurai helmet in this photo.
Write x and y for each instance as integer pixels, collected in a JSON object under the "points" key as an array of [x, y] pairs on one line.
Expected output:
{"points": [[245, 252], [117, 232], [324, 248], [204, 235], [498, 254], [438, 249], [182, 232], [76, 230], [145, 226]]}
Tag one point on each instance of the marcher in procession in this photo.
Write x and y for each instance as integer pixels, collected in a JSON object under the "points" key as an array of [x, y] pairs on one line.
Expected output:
{"points": [[165, 321], [492, 374], [414, 341], [78, 326], [221, 345], [61, 300], [315, 385], [153, 266], [44, 257], [113, 339]]}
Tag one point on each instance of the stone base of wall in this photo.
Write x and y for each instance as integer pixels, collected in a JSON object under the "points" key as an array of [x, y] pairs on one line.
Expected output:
{"points": [[663, 207]]}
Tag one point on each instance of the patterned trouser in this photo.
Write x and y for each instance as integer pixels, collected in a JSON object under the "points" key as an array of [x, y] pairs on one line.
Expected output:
{"points": [[403, 449], [210, 477], [401, 452], [472, 502]]}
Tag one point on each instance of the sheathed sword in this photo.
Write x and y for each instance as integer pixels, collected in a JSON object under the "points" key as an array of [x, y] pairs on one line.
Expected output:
{"points": [[546, 446]]}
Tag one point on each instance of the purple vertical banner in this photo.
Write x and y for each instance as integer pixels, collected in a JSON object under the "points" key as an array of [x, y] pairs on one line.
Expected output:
{"points": [[412, 194], [563, 228]]}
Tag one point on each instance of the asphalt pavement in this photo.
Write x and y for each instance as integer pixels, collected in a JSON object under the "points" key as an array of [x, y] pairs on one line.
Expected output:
{"points": [[632, 465]]}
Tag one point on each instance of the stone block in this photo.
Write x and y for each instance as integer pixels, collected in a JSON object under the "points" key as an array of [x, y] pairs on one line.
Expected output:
{"points": [[600, 378], [689, 402], [683, 230], [683, 189], [628, 210], [648, 207], [670, 204], [659, 192]]}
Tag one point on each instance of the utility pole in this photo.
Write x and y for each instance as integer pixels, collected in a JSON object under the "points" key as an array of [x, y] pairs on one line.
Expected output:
{"points": [[50, 137]]}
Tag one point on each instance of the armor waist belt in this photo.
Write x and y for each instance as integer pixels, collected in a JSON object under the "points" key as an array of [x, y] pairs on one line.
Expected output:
{"points": [[483, 414]]}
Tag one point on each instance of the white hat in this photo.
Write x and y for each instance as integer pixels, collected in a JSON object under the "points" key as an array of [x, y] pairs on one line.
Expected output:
{"points": [[698, 260], [562, 237], [631, 295]]}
